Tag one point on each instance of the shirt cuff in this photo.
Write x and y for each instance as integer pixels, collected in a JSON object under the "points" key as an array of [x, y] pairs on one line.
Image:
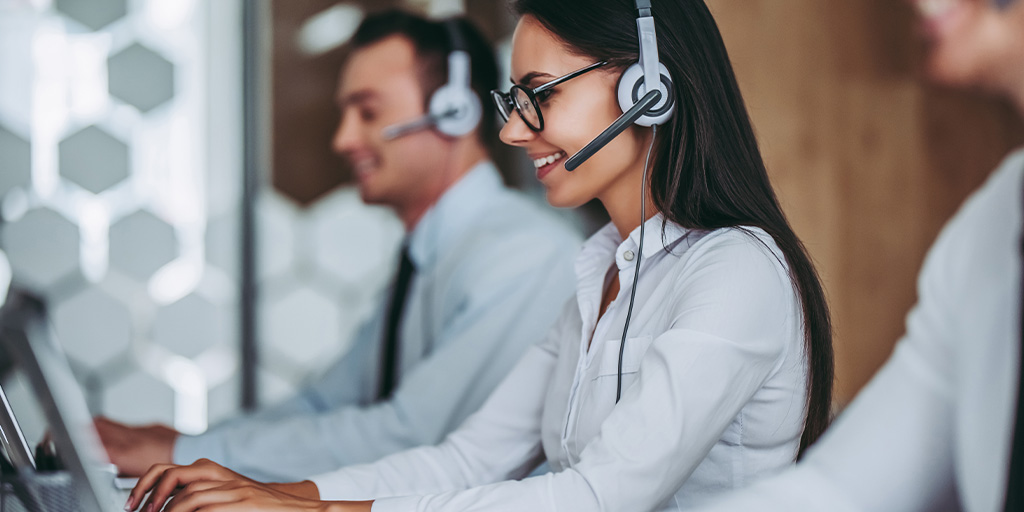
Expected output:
{"points": [[404, 504], [334, 488], [188, 449]]}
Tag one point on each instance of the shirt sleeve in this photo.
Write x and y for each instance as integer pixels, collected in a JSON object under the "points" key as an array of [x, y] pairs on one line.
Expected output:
{"points": [[501, 440], [693, 381], [892, 449], [244, 443], [481, 339]]}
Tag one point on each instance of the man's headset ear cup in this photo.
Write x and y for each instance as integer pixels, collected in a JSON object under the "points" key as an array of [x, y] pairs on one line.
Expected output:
{"points": [[455, 110], [630, 90]]}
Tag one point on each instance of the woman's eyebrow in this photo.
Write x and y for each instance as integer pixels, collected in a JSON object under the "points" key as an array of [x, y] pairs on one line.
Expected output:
{"points": [[530, 76]]}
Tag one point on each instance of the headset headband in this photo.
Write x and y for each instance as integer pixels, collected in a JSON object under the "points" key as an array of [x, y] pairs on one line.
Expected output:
{"points": [[648, 43]]}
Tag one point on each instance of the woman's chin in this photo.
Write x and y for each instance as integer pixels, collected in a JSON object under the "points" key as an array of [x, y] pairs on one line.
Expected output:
{"points": [[559, 199]]}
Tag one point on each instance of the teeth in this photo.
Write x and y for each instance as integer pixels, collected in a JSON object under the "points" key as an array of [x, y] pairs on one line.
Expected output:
{"points": [[550, 159], [934, 8]]}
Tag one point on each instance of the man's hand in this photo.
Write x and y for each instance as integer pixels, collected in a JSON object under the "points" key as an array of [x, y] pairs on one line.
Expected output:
{"points": [[135, 449]]}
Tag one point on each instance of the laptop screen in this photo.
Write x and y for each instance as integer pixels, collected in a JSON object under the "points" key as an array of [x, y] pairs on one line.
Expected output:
{"points": [[28, 338]]}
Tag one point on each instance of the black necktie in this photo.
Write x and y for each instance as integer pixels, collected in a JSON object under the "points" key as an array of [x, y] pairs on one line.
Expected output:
{"points": [[389, 350], [1015, 479]]}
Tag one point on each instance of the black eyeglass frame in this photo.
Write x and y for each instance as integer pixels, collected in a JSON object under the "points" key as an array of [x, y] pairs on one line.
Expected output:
{"points": [[505, 98]]}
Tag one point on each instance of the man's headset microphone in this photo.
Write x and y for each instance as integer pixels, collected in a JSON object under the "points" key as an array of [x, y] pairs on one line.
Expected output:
{"points": [[454, 109]]}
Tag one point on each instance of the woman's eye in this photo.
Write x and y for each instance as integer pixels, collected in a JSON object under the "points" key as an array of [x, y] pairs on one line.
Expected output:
{"points": [[544, 95], [367, 115]]}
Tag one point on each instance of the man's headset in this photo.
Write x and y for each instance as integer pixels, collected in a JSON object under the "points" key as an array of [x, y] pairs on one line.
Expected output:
{"points": [[641, 103], [454, 109]]}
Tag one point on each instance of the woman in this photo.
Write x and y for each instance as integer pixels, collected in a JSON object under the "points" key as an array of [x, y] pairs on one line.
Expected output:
{"points": [[726, 373]]}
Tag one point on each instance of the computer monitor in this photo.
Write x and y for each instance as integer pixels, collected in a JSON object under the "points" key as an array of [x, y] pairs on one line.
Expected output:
{"points": [[26, 335]]}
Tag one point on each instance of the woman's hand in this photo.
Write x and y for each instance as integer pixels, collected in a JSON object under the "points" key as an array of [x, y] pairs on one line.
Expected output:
{"points": [[208, 486], [164, 479], [239, 495]]}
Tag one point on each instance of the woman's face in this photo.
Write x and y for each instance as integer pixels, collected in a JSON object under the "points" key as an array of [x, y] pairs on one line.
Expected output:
{"points": [[574, 114], [973, 43]]}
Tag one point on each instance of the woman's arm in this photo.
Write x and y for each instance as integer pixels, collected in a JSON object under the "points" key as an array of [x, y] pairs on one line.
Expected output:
{"points": [[496, 443], [733, 326]]}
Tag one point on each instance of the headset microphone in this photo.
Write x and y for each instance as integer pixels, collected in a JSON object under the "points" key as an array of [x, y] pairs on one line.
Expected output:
{"points": [[454, 109], [636, 90], [400, 130], [627, 118]]}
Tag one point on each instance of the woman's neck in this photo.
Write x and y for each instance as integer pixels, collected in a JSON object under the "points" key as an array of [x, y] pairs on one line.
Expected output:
{"points": [[624, 208]]}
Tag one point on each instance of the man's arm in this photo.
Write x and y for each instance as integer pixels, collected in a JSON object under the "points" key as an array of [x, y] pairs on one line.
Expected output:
{"points": [[511, 296], [134, 449]]}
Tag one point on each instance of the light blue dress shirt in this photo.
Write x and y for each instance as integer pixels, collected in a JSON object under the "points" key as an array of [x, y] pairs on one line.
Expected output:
{"points": [[493, 271]]}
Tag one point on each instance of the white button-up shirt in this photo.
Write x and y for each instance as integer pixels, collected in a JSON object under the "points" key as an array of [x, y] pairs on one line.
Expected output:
{"points": [[486, 258], [933, 430], [713, 390]]}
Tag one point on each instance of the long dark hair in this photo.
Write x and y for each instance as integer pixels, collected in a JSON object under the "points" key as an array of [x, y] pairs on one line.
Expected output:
{"points": [[708, 172]]}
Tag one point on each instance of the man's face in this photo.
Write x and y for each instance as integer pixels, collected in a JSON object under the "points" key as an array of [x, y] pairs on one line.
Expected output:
{"points": [[972, 42], [380, 87]]}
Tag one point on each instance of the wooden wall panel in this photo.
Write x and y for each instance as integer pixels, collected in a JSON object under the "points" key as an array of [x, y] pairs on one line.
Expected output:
{"points": [[868, 158]]}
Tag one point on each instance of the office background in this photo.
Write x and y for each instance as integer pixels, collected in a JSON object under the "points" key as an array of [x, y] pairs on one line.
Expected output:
{"points": [[128, 129]]}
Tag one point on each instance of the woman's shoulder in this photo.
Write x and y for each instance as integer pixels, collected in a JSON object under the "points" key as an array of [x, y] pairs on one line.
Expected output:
{"points": [[738, 244], [732, 259]]}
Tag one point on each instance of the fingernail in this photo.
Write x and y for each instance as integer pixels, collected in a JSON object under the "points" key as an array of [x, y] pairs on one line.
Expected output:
{"points": [[130, 504]]}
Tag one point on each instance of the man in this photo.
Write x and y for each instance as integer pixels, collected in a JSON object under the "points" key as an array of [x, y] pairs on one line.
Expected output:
{"points": [[935, 429], [485, 273]]}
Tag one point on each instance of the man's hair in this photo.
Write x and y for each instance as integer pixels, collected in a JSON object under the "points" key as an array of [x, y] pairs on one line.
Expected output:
{"points": [[431, 41]]}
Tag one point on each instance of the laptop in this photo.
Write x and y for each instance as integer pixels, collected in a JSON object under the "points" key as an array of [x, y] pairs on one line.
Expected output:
{"points": [[27, 337]]}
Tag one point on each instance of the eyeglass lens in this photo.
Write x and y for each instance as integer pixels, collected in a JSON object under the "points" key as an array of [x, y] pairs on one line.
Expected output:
{"points": [[526, 107]]}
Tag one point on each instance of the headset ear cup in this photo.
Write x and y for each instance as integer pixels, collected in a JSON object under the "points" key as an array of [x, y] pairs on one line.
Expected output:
{"points": [[455, 110], [630, 90]]}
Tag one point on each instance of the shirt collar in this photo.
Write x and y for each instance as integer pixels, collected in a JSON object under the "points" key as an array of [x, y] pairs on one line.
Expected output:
{"points": [[456, 210], [607, 241]]}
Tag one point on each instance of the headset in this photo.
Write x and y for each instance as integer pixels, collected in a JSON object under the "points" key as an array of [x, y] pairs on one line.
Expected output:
{"points": [[645, 96], [454, 109], [641, 103]]}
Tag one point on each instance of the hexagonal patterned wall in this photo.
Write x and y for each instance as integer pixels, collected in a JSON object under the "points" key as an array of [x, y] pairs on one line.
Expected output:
{"points": [[16, 163], [109, 219], [190, 326], [93, 327], [94, 14], [107, 216], [141, 77], [140, 244], [93, 159], [43, 247]]}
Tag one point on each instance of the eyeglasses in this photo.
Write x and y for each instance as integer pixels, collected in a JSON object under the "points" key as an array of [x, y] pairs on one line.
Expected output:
{"points": [[523, 100]]}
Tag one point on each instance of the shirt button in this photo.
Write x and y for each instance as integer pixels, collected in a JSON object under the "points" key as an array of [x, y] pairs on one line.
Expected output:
{"points": [[628, 255]]}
